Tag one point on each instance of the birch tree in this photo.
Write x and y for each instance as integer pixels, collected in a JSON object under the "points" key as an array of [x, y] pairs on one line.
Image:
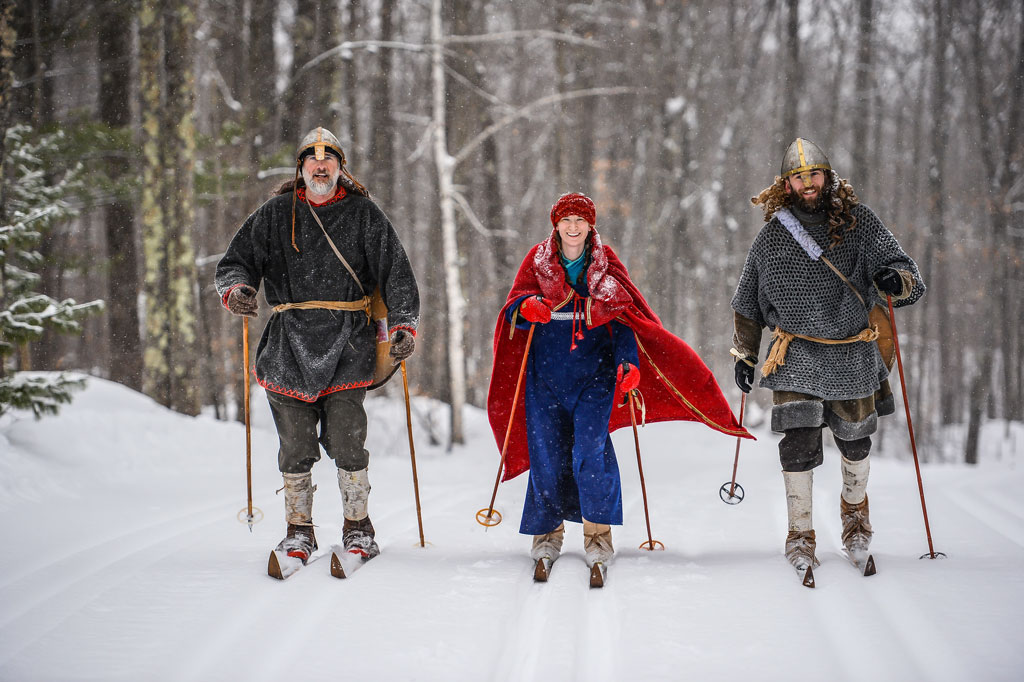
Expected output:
{"points": [[168, 199]]}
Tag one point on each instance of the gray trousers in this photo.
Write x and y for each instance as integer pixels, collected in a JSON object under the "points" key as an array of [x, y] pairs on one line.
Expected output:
{"points": [[336, 421]]}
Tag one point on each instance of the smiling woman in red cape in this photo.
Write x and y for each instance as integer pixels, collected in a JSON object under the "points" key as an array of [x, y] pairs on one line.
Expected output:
{"points": [[674, 381]]}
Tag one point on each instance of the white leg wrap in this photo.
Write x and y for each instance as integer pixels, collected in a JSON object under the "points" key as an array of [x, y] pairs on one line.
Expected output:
{"points": [[298, 498], [597, 542], [548, 545], [855, 480], [798, 499], [355, 493]]}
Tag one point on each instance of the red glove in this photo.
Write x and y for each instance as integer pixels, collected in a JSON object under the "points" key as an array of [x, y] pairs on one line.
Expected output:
{"points": [[534, 309], [627, 377]]}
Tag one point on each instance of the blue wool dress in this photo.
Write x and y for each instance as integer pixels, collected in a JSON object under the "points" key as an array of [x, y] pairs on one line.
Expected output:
{"points": [[569, 399]]}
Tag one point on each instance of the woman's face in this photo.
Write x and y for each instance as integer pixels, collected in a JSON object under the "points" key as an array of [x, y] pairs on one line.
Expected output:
{"points": [[573, 230]]}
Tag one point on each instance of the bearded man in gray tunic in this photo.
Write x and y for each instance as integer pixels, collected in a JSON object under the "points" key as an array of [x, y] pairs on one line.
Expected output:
{"points": [[814, 275], [320, 248]]}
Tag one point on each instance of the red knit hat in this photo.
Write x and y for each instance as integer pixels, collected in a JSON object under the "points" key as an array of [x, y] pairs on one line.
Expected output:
{"points": [[574, 203]]}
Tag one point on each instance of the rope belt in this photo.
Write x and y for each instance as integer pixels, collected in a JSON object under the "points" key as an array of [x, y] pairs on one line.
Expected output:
{"points": [[360, 304], [781, 339]]}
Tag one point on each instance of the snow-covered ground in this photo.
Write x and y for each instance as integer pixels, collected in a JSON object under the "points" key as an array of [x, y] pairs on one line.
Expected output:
{"points": [[125, 561]]}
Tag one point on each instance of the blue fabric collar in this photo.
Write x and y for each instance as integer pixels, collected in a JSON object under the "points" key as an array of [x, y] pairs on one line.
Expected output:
{"points": [[573, 268]]}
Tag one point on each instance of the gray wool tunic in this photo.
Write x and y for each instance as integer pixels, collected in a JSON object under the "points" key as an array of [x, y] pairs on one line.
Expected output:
{"points": [[781, 286], [307, 354]]}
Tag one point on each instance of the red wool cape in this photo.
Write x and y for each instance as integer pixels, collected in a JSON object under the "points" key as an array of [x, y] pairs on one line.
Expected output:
{"points": [[674, 382]]}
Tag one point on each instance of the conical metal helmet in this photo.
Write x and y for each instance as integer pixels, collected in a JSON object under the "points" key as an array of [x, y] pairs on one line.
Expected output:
{"points": [[802, 156], [319, 140]]}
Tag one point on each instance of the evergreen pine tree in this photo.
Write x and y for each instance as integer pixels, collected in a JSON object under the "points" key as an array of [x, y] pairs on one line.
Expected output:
{"points": [[34, 200]]}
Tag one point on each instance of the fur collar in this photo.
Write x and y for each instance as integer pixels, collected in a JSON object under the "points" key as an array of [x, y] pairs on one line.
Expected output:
{"points": [[603, 287]]}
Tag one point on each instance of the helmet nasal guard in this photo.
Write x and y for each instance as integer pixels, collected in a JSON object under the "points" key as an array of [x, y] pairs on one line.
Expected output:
{"points": [[317, 142]]}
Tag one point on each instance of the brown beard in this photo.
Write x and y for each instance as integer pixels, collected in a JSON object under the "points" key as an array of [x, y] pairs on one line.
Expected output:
{"points": [[819, 204]]}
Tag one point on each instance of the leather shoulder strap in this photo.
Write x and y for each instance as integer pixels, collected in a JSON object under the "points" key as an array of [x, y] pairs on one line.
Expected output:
{"points": [[338, 253]]}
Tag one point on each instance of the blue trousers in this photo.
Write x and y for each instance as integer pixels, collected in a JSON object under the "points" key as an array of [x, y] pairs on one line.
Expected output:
{"points": [[573, 470]]}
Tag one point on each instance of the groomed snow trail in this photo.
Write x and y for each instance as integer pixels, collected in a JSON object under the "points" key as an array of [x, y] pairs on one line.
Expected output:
{"points": [[129, 564]]}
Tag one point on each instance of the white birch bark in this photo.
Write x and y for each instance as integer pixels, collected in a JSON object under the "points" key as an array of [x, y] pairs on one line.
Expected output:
{"points": [[449, 245]]}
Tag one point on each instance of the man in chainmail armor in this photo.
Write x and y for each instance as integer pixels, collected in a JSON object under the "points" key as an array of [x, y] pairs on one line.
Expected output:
{"points": [[813, 275]]}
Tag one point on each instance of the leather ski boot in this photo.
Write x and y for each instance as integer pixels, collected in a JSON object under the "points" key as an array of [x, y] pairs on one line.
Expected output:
{"points": [[357, 538], [800, 546], [856, 526], [300, 541], [357, 534]]}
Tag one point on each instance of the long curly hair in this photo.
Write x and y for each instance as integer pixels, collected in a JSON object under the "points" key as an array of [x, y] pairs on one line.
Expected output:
{"points": [[838, 194]]}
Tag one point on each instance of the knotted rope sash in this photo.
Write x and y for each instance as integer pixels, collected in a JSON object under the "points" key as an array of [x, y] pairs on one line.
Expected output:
{"points": [[782, 338]]}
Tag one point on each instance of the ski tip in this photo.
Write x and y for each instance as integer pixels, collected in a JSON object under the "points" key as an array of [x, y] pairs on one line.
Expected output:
{"points": [[869, 566], [274, 567], [808, 580], [337, 568], [597, 575]]}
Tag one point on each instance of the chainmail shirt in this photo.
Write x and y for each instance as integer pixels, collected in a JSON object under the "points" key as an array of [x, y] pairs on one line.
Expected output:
{"points": [[782, 287]]}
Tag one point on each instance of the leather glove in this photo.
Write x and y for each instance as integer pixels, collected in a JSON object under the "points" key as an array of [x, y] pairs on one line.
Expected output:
{"points": [[242, 301], [534, 309], [889, 281], [403, 343], [744, 375]]}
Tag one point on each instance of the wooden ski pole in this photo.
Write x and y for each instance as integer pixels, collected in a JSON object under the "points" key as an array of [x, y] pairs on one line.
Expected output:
{"points": [[910, 427], [252, 514], [412, 454], [729, 496], [650, 544], [487, 520]]}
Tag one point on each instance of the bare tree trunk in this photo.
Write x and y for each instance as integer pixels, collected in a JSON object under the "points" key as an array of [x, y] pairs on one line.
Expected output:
{"points": [[45, 352], [1003, 148], [119, 216], [445, 180], [864, 83], [8, 38], [168, 203], [381, 156], [979, 390], [794, 74], [937, 264]]}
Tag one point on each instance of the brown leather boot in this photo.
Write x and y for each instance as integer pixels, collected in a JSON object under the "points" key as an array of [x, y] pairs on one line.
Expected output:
{"points": [[300, 542], [357, 537], [800, 546], [856, 526]]}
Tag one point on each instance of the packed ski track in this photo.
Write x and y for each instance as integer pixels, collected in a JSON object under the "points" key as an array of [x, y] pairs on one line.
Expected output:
{"points": [[128, 562]]}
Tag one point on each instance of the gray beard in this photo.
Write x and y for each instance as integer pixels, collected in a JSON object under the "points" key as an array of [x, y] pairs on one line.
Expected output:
{"points": [[317, 187]]}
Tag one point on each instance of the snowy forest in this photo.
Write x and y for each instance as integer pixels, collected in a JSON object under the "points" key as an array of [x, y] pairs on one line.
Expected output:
{"points": [[140, 134]]}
